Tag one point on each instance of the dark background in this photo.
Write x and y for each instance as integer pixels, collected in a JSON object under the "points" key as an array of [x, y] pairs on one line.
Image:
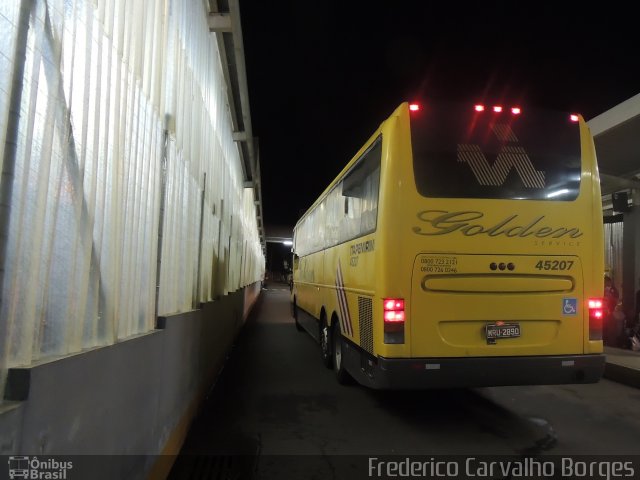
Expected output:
{"points": [[323, 75]]}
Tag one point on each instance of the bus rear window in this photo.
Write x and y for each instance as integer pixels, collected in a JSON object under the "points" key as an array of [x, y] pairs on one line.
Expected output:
{"points": [[460, 152]]}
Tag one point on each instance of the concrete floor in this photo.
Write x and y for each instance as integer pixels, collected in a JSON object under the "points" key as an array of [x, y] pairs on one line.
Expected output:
{"points": [[276, 412]]}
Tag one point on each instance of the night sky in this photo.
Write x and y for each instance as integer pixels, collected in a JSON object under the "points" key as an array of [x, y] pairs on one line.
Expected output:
{"points": [[323, 75]]}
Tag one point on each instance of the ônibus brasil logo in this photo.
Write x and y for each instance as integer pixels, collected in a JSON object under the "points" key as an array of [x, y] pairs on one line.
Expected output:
{"points": [[36, 469]]}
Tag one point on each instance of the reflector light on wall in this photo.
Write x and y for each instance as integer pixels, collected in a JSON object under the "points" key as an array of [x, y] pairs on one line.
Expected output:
{"points": [[414, 107]]}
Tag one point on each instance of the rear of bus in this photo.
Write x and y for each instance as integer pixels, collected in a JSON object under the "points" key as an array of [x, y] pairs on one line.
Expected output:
{"points": [[491, 224]]}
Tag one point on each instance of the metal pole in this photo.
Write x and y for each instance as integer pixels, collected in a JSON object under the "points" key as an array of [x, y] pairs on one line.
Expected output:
{"points": [[163, 194], [204, 186]]}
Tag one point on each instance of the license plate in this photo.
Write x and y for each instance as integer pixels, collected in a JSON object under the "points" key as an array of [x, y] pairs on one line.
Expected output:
{"points": [[506, 330]]}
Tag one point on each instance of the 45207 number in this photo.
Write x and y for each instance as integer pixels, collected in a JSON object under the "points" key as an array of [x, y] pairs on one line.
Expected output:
{"points": [[554, 264]]}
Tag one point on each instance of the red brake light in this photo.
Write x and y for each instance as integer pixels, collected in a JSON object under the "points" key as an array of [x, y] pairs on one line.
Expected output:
{"points": [[516, 110], [394, 304], [596, 315], [573, 117], [393, 310], [479, 108], [595, 303], [497, 109], [414, 107], [393, 317]]}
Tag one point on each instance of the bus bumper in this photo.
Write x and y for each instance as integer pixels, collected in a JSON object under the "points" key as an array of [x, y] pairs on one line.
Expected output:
{"points": [[427, 373]]}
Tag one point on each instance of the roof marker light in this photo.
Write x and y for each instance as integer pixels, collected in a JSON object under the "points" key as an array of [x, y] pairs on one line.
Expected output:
{"points": [[516, 110], [479, 108], [497, 109], [573, 117], [414, 107]]}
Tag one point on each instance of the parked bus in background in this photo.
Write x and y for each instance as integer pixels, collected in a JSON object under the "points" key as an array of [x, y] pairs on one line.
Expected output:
{"points": [[462, 246]]}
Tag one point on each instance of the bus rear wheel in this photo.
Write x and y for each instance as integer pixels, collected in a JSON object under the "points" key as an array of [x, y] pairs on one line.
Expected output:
{"points": [[325, 344], [343, 377]]}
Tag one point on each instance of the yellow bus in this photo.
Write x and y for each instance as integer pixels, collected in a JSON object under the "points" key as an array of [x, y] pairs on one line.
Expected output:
{"points": [[462, 246]]}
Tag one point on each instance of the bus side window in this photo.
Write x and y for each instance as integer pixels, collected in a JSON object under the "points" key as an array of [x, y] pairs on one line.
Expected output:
{"points": [[360, 189], [335, 209]]}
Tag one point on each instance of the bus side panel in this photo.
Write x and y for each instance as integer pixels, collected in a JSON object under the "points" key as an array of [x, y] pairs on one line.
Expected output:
{"points": [[392, 279], [329, 297], [300, 289], [308, 283], [594, 276], [350, 279]]}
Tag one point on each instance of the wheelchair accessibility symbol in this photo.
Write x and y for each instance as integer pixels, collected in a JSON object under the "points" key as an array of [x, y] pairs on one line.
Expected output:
{"points": [[569, 306]]}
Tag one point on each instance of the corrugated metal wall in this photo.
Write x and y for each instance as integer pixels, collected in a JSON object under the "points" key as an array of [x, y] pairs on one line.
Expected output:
{"points": [[115, 142]]}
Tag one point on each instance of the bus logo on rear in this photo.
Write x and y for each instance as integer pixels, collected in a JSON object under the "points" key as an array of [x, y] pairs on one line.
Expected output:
{"points": [[469, 223], [511, 156], [495, 175]]}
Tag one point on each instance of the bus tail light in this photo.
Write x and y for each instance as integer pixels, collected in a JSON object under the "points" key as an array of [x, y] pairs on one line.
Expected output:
{"points": [[414, 107], [393, 310], [394, 317], [596, 316]]}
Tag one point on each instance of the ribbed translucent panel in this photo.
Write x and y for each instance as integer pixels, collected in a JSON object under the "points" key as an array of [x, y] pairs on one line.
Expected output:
{"points": [[118, 108], [613, 252]]}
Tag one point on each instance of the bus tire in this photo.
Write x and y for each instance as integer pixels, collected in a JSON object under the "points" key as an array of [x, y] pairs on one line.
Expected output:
{"points": [[294, 308], [343, 377], [325, 344]]}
